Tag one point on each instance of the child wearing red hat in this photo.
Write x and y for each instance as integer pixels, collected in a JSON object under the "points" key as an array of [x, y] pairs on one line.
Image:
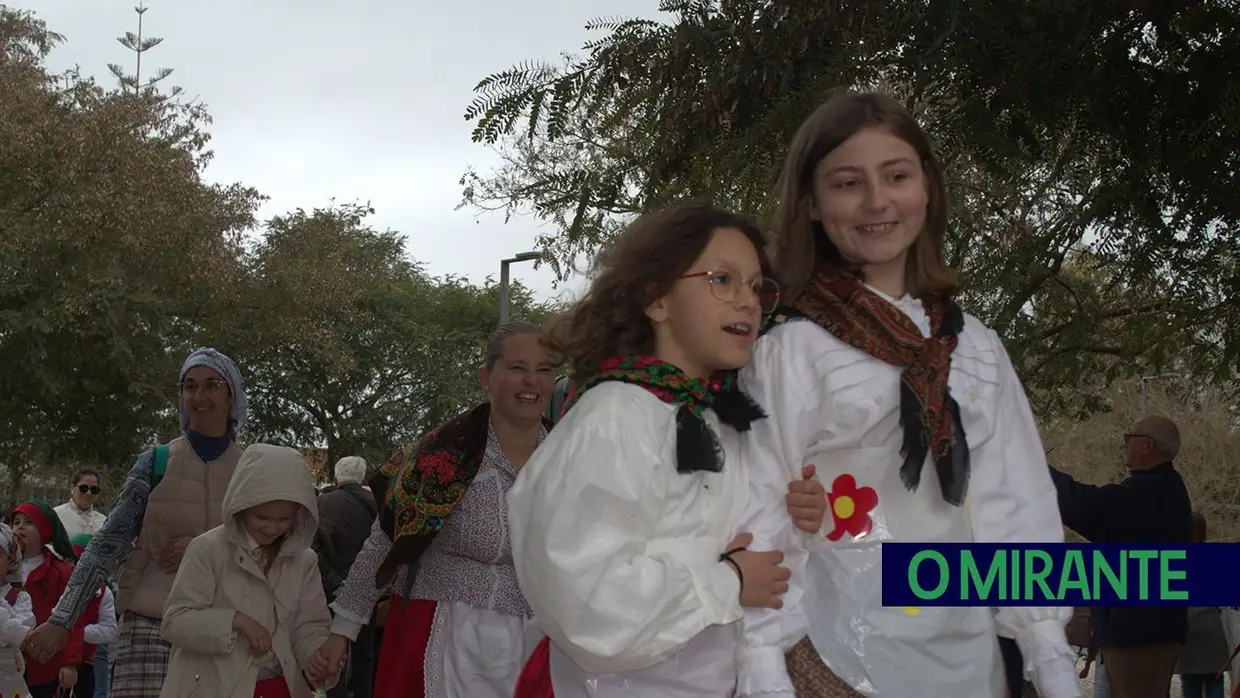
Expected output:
{"points": [[44, 576]]}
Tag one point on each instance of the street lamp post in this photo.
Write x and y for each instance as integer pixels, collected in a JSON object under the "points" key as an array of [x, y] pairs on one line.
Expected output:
{"points": [[503, 281], [1145, 393]]}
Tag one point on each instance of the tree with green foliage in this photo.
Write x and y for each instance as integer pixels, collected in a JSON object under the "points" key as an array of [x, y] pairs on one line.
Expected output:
{"points": [[112, 248], [348, 343], [1090, 151]]}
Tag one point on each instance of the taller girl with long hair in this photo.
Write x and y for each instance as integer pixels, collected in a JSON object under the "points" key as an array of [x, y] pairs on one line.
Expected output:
{"points": [[912, 412]]}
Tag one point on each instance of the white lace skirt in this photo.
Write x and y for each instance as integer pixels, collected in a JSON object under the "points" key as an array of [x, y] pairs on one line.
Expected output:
{"points": [[476, 652]]}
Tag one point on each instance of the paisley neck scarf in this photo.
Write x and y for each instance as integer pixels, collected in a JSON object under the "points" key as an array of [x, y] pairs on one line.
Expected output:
{"points": [[929, 416]]}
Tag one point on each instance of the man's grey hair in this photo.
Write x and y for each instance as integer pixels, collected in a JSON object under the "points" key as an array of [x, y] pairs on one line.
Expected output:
{"points": [[350, 469], [1163, 434], [1166, 445]]}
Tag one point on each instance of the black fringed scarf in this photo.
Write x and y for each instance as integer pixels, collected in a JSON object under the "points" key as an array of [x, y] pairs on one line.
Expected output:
{"points": [[696, 446]]}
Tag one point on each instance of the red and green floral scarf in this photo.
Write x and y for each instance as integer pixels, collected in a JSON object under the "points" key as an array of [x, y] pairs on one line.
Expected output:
{"points": [[930, 418], [696, 446]]}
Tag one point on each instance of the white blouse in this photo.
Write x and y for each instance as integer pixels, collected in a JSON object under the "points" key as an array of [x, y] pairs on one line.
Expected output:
{"points": [[618, 553], [836, 407], [77, 521]]}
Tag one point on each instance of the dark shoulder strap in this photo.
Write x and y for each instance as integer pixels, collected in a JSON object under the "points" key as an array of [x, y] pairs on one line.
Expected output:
{"points": [[555, 409], [161, 465]]}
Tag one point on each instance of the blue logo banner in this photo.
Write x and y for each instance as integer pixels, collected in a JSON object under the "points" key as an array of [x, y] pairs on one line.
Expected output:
{"points": [[1060, 574]]}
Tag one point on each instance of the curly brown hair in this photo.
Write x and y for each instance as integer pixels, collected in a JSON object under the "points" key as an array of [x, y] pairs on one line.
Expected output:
{"points": [[640, 267], [798, 241]]}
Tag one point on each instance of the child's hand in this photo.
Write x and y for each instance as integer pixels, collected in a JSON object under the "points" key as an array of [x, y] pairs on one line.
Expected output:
{"points": [[763, 581], [68, 676], [332, 652], [253, 632], [317, 673], [807, 501]]}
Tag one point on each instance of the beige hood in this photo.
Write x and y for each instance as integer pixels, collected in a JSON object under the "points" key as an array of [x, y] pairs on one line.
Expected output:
{"points": [[268, 473]]}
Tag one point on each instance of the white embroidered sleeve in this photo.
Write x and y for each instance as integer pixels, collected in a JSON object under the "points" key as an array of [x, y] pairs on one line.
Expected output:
{"points": [[781, 380], [357, 597], [103, 631], [1013, 501]]}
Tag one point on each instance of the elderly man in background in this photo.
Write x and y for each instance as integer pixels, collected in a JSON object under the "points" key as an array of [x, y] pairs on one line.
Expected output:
{"points": [[1139, 646], [346, 513]]}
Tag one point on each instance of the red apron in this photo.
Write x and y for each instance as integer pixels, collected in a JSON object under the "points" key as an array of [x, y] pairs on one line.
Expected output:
{"points": [[402, 661]]}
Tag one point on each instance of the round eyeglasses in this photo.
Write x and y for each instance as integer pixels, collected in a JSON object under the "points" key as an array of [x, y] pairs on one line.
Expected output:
{"points": [[726, 286]]}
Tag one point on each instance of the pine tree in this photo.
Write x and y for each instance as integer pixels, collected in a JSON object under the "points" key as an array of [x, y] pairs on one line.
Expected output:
{"points": [[139, 45]]}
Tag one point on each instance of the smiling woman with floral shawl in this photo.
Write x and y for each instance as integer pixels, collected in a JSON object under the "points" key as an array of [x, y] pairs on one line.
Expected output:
{"points": [[442, 540]]}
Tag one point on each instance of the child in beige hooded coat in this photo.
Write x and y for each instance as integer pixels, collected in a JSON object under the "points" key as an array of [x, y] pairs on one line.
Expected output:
{"points": [[247, 613]]}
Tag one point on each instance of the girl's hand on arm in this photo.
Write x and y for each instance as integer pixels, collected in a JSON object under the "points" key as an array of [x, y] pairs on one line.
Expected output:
{"points": [[807, 501], [762, 580]]}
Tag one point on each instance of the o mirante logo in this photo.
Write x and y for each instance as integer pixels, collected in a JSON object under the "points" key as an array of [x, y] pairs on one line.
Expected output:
{"points": [[1060, 574]]}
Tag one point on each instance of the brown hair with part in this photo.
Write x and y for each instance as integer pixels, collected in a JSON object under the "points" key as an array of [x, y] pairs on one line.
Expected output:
{"points": [[500, 337], [640, 267], [798, 241]]}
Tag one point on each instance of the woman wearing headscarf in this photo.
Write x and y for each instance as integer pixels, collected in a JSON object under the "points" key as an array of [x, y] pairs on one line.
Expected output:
{"points": [[173, 493]]}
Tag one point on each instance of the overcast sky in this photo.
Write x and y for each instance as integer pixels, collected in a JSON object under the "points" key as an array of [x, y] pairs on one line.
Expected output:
{"points": [[360, 100]]}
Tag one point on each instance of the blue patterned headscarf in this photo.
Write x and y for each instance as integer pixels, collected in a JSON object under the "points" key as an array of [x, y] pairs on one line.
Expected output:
{"points": [[224, 366]]}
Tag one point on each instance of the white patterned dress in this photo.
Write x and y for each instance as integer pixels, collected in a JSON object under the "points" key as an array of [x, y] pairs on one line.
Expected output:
{"points": [[482, 630]]}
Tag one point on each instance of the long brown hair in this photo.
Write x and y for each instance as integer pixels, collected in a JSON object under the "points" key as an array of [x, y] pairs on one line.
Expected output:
{"points": [[640, 267], [798, 241]]}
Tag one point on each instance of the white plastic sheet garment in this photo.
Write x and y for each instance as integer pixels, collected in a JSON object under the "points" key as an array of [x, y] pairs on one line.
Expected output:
{"points": [[1231, 628], [893, 652]]}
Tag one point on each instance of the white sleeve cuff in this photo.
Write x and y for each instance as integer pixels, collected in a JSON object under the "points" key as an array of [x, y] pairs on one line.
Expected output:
{"points": [[762, 672], [346, 627], [720, 590], [1057, 679], [1049, 662]]}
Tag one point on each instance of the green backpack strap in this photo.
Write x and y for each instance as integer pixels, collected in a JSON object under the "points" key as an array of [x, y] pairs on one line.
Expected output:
{"points": [[161, 465]]}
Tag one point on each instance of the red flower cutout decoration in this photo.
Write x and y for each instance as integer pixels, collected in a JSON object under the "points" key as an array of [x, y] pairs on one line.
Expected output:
{"points": [[850, 507]]}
